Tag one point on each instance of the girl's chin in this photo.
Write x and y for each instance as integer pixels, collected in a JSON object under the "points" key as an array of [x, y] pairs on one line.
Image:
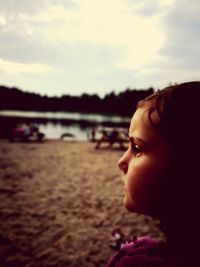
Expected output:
{"points": [[133, 208], [130, 206]]}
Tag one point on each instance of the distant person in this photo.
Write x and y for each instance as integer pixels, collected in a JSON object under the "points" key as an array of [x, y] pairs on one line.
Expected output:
{"points": [[34, 128], [91, 135], [26, 131], [104, 138], [113, 136], [161, 174]]}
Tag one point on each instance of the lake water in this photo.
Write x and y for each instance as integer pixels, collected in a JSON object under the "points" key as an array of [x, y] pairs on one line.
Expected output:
{"points": [[54, 124]]}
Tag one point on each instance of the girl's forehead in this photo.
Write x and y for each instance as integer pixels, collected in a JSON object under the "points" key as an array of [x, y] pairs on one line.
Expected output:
{"points": [[141, 126], [140, 117]]}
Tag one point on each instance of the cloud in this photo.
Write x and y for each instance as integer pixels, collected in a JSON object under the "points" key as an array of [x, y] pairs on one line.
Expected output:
{"points": [[16, 7], [149, 8], [103, 23], [110, 23], [182, 27], [93, 45], [15, 67], [13, 7]]}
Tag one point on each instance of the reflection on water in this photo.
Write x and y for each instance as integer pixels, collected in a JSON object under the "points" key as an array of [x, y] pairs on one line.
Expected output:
{"points": [[54, 131], [54, 124]]}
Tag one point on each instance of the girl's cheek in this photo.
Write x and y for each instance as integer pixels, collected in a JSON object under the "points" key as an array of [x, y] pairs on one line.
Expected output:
{"points": [[142, 168]]}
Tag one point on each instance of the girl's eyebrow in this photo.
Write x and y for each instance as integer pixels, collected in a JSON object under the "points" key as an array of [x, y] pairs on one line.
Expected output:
{"points": [[133, 139]]}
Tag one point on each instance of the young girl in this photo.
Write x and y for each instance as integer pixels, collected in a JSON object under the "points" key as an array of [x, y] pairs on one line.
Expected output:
{"points": [[161, 174]]}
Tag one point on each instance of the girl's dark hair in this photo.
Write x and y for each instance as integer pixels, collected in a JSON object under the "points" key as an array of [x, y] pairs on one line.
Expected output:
{"points": [[178, 108], [174, 106]]}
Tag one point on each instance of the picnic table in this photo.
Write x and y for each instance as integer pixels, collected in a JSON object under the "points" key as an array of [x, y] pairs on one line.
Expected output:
{"points": [[111, 136]]}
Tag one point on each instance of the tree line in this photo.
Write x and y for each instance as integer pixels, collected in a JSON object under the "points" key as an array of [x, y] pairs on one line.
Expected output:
{"points": [[123, 103]]}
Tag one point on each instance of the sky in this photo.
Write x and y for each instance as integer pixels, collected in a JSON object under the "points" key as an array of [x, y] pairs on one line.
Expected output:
{"points": [[57, 47]]}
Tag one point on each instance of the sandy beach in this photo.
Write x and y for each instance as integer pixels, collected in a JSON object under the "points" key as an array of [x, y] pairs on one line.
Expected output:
{"points": [[59, 203]]}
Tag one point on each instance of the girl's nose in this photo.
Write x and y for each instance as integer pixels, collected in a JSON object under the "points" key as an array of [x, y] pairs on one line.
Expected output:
{"points": [[123, 163]]}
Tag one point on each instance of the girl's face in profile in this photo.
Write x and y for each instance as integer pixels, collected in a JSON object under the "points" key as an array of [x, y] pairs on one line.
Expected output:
{"points": [[143, 164]]}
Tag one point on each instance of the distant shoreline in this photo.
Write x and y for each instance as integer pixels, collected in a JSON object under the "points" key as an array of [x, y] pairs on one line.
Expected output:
{"points": [[54, 125]]}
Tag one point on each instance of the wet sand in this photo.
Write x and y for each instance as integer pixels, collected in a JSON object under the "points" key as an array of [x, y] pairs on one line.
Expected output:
{"points": [[59, 203]]}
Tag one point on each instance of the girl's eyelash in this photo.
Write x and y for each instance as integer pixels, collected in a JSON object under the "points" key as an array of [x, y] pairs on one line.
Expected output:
{"points": [[135, 148]]}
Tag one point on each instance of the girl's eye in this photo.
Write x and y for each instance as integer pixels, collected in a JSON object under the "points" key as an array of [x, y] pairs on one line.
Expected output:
{"points": [[136, 149]]}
